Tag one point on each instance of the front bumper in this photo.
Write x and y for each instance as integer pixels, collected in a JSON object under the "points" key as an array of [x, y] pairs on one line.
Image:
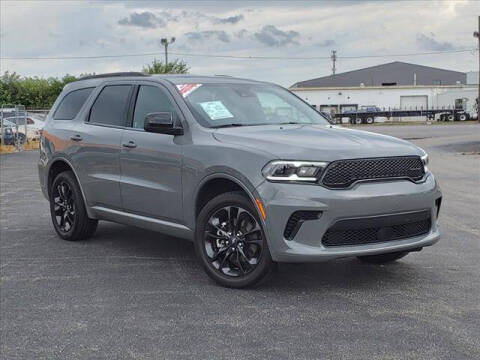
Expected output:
{"points": [[362, 200]]}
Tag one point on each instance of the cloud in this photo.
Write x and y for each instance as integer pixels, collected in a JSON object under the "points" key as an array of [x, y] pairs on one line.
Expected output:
{"points": [[144, 19], [272, 36], [228, 20], [429, 43], [208, 35], [326, 43], [241, 33]]}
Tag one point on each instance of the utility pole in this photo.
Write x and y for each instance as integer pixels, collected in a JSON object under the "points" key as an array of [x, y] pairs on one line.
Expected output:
{"points": [[165, 42], [334, 59], [477, 35]]}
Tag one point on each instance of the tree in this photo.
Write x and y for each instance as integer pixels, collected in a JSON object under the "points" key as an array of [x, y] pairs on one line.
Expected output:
{"points": [[158, 67]]}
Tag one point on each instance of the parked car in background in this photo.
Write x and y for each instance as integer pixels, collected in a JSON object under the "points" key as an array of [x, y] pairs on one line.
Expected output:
{"points": [[32, 121], [246, 170], [19, 131], [34, 126]]}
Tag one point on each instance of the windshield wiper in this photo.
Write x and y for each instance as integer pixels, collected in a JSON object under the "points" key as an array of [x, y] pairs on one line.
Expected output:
{"points": [[228, 125], [292, 123]]}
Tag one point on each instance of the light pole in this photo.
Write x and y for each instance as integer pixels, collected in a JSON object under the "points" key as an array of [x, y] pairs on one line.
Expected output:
{"points": [[477, 35], [165, 42]]}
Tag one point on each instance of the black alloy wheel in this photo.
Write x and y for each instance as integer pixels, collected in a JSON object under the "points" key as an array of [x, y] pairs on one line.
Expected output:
{"points": [[64, 207], [231, 243], [67, 209]]}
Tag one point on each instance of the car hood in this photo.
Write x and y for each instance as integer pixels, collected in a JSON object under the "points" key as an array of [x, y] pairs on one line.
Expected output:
{"points": [[316, 142]]}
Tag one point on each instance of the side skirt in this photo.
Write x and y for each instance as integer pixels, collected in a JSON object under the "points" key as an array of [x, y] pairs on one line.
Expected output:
{"points": [[165, 227]]}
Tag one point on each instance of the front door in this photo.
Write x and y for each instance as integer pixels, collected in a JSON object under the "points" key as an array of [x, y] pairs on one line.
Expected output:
{"points": [[151, 182]]}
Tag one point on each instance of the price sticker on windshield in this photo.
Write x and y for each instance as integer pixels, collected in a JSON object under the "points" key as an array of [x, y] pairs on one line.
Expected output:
{"points": [[216, 110]]}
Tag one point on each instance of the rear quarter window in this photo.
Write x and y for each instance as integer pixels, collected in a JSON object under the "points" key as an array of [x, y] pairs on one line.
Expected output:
{"points": [[71, 104]]}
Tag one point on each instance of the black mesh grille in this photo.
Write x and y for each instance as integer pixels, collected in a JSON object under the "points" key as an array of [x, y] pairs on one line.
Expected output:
{"points": [[343, 173], [296, 220], [374, 230]]}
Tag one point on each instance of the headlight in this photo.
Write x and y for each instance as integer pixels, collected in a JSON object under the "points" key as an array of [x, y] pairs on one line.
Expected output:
{"points": [[425, 159], [284, 170]]}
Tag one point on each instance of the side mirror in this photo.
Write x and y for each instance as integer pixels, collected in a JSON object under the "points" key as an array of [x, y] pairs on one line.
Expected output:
{"points": [[162, 123]]}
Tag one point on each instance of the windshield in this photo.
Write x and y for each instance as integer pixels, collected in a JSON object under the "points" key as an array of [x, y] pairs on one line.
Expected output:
{"points": [[218, 105]]}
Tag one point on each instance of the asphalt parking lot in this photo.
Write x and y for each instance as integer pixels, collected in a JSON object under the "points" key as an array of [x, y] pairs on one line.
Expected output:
{"points": [[129, 293]]}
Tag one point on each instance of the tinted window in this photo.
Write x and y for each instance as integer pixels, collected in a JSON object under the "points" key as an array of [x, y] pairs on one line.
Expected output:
{"points": [[216, 105], [111, 106], [71, 104], [150, 99]]}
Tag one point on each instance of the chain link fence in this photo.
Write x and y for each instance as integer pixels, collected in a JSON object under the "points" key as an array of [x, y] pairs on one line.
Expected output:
{"points": [[20, 129]]}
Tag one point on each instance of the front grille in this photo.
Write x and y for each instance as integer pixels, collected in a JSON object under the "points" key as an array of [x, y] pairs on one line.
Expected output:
{"points": [[343, 173], [361, 231]]}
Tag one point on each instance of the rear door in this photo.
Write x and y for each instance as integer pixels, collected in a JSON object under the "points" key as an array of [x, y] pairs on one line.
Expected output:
{"points": [[151, 182], [99, 139]]}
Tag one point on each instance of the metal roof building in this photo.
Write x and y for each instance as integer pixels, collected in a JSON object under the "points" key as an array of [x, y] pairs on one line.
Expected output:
{"points": [[395, 85], [391, 74]]}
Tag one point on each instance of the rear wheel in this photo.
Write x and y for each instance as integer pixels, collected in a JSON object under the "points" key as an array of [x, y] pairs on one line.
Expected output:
{"points": [[67, 209], [230, 242], [451, 117], [383, 258], [370, 120], [358, 121]]}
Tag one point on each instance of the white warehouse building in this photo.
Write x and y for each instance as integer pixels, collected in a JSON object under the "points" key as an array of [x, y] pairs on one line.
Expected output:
{"points": [[395, 85]]}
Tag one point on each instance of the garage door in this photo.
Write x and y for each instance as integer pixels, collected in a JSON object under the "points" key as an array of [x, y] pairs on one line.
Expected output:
{"points": [[414, 102]]}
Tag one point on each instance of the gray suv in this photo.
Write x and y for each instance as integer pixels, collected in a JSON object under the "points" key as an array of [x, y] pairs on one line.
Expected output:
{"points": [[246, 170]]}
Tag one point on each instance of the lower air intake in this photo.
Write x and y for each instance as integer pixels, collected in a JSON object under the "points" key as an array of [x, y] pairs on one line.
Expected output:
{"points": [[362, 231]]}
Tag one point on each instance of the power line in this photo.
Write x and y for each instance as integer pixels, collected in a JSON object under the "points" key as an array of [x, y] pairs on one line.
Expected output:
{"points": [[246, 57]]}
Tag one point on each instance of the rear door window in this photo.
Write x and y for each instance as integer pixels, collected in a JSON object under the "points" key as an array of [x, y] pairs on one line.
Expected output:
{"points": [[110, 107], [71, 104]]}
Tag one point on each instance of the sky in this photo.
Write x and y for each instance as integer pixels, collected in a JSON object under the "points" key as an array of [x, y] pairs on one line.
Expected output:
{"points": [[364, 33]]}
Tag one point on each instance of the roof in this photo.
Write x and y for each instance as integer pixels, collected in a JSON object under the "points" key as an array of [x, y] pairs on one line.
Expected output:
{"points": [[390, 74], [95, 80]]}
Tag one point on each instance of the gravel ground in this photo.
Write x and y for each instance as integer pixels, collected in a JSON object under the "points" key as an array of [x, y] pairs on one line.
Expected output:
{"points": [[134, 294]]}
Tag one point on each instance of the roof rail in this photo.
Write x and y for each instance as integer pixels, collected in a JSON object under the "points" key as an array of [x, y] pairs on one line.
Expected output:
{"points": [[128, 73]]}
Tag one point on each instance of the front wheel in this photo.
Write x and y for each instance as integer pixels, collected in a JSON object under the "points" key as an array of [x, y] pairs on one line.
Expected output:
{"points": [[230, 242], [383, 258]]}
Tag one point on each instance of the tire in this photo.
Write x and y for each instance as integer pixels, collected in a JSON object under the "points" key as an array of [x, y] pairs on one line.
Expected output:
{"points": [[20, 138], [358, 121], [383, 258], [230, 259], [67, 209], [451, 117], [462, 117], [370, 120]]}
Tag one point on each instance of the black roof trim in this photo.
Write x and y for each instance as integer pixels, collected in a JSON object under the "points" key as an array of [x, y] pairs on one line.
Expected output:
{"points": [[128, 73]]}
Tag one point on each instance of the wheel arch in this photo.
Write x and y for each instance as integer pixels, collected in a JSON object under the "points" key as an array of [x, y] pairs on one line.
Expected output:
{"points": [[58, 166], [216, 184]]}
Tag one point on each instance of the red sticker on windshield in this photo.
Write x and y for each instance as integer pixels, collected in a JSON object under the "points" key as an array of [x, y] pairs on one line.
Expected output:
{"points": [[187, 89]]}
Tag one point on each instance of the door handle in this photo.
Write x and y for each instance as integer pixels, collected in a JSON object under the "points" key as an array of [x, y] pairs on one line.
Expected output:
{"points": [[131, 144], [76, 138]]}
